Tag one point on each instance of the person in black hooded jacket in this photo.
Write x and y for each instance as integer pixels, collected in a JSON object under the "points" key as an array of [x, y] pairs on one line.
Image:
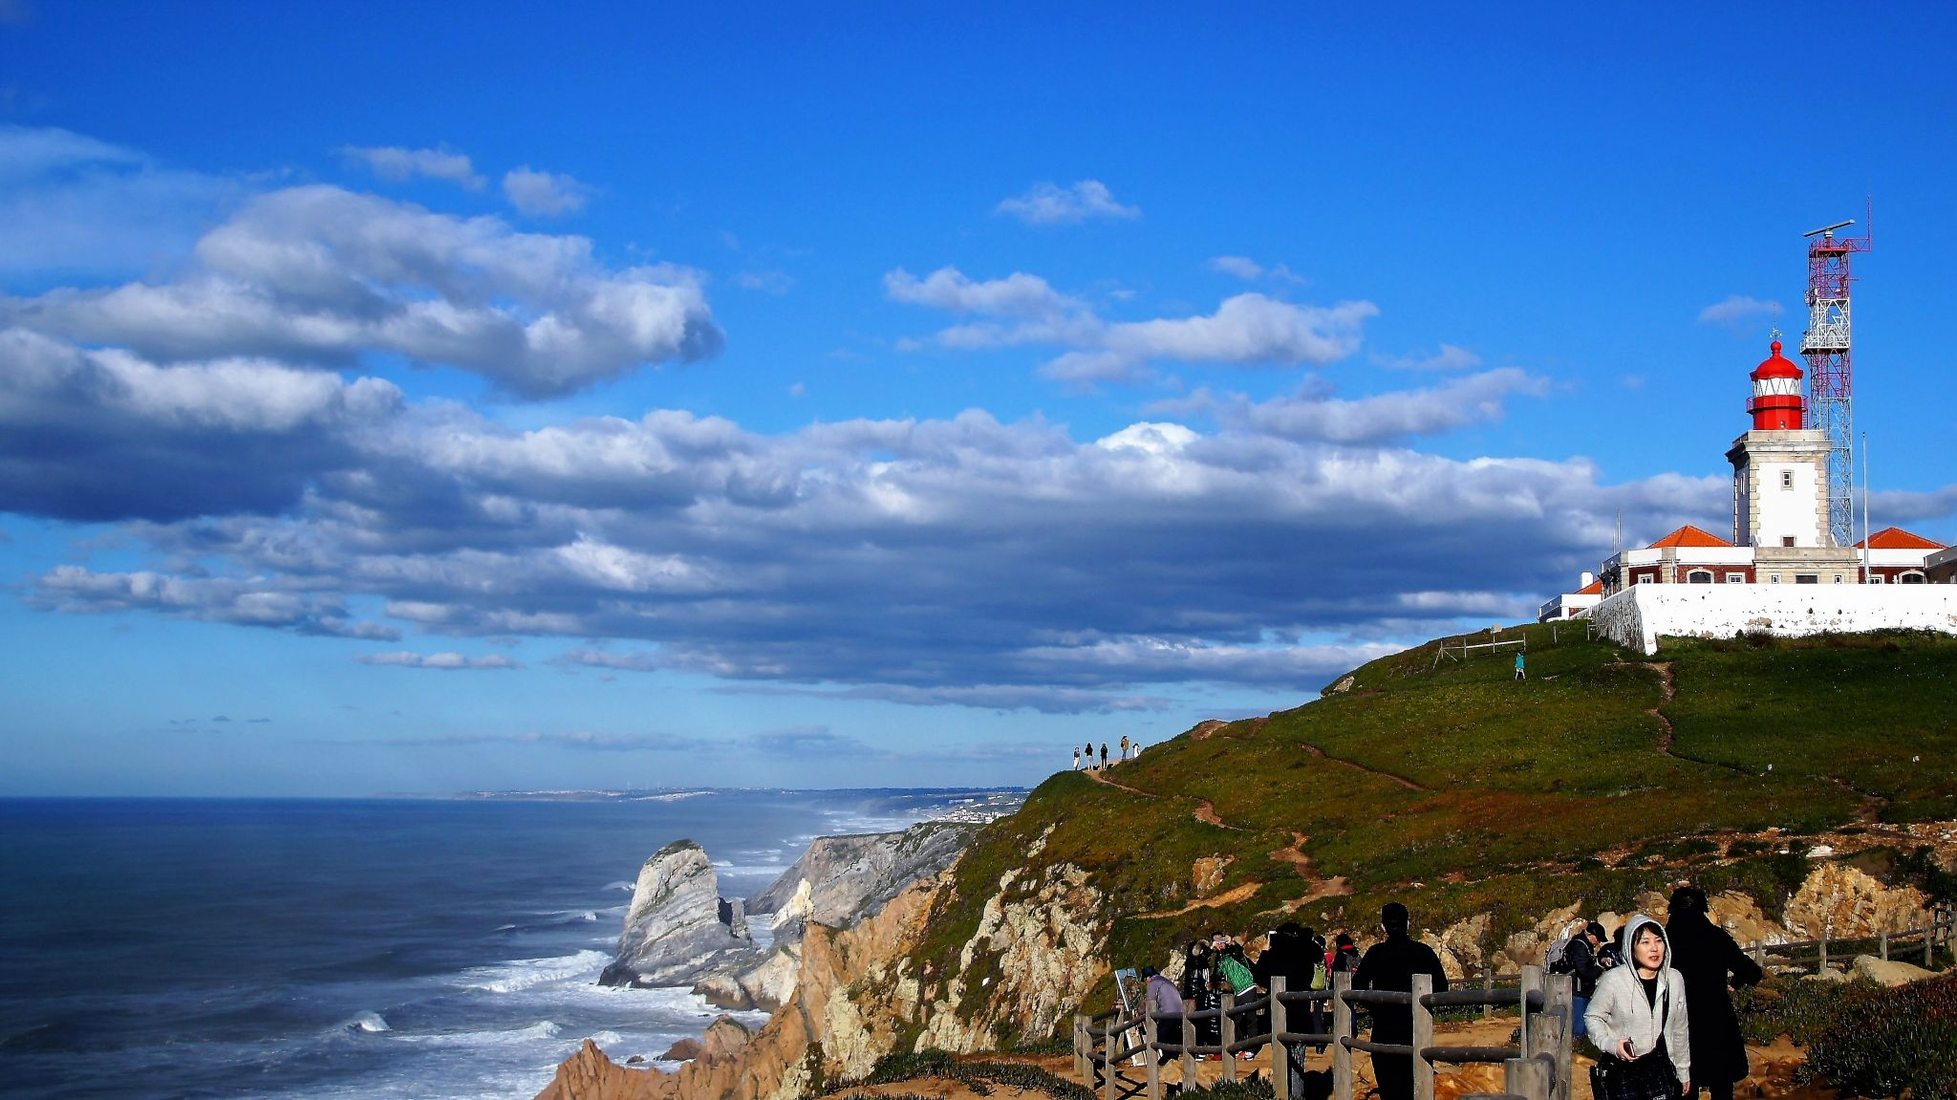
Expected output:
{"points": [[1711, 964], [1391, 965], [1198, 990], [1292, 956]]}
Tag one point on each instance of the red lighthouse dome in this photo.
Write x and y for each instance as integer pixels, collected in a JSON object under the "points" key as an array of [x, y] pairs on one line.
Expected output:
{"points": [[1777, 404]]}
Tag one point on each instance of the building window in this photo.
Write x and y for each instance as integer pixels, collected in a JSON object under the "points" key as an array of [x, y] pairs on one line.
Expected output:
{"points": [[1910, 578], [1837, 578], [1875, 578], [1807, 578], [1773, 578], [1787, 540], [1787, 479], [1736, 578], [1699, 576]]}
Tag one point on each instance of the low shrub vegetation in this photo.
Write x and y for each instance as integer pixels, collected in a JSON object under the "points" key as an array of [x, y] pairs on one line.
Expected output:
{"points": [[1890, 1042]]}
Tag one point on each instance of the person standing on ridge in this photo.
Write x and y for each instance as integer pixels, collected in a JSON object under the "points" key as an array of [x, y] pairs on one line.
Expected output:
{"points": [[1104, 754], [1124, 748], [1391, 965], [1711, 964], [1521, 668], [1076, 759]]}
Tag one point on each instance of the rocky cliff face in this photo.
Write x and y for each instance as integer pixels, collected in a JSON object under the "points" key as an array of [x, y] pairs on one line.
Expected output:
{"points": [[849, 1008], [1039, 947], [842, 879], [678, 929]]}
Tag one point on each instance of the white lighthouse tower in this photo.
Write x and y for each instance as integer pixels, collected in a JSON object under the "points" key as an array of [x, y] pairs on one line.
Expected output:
{"points": [[1780, 467]]}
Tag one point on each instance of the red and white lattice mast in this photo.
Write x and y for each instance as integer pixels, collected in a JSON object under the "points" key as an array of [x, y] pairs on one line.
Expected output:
{"points": [[1825, 346]]}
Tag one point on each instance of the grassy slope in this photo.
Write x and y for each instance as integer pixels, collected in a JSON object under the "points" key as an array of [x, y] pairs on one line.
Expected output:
{"points": [[1521, 786]]}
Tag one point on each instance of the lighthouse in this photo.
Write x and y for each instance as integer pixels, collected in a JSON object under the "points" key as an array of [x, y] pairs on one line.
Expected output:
{"points": [[1777, 403], [1780, 466]]}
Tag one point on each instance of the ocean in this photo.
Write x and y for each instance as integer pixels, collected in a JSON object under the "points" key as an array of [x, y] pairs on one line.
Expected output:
{"points": [[384, 948]]}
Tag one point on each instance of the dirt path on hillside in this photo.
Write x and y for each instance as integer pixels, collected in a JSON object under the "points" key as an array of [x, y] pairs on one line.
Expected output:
{"points": [[1356, 766], [1667, 732], [1322, 888], [1872, 803], [1204, 811]]}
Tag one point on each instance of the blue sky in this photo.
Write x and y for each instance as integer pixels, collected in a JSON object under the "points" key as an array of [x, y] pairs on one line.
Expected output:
{"points": [[445, 398]]}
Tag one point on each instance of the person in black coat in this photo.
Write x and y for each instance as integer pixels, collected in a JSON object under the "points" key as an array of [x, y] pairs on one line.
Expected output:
{"points": [[1198, 990], [1292, 956], [1391, 964], [1711, 964]]}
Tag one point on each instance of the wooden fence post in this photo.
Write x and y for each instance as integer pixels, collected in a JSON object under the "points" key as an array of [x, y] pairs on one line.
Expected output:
{"points": [[1822, 968], [1488, 986], [1527, 1077], [1558, 1027], [1150, 1056], [1229, 1036], [1280, 1053], [1885, 946], [1108, 1091], [1423, 1036], [1188, 1050], [1531, 983], [1341, 1030], [1080, 1048]]}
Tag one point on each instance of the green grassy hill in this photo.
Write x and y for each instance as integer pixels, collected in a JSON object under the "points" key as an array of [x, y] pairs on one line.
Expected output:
{"points": [[1460, 791]]}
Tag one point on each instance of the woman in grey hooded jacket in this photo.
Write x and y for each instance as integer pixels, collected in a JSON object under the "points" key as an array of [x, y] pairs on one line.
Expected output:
{"points": [[1640, 1006]]}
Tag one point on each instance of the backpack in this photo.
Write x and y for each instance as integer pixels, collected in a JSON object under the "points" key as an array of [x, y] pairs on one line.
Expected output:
{"points": [[1558, 957], [1235, 973]]}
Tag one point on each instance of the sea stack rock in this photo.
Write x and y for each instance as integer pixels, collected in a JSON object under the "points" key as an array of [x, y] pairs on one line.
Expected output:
{"points": [[842, 879], [678, 928]]}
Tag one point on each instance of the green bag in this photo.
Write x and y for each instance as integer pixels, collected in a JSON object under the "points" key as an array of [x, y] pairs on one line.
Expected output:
{"points": [[1237, 974], [1318, 978]]}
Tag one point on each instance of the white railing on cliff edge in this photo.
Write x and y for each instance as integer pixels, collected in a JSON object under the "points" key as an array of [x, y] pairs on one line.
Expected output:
{"points": [[1539, 1069]]}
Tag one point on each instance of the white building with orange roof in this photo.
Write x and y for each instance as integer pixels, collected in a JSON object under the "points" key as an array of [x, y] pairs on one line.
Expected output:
{"points": [[1780, 538]]}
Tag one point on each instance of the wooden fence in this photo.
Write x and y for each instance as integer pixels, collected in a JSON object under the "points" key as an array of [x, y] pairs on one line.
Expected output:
{"points": [[1934, 932], [1538, 1069]]}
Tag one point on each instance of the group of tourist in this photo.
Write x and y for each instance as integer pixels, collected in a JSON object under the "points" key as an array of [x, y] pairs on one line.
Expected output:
{"points": [[1663, 1018], [1129, 749], [1654, 999]]}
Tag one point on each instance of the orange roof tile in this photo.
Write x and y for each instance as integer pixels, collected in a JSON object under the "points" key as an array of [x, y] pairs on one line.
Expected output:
{"points": [[1895, 538], [1689, 535], [1594, 588]]}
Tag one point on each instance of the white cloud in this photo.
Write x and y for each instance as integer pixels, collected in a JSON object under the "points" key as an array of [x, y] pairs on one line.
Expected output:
{"points": [[1243, 267], [1246, 330], [1448, 358], [322, 275], [949, 289], [1380, 418], [1051, 204], [71, 205], [1250, 271], [544, 194], [448, 662], [392, 162], [1737, 310]]}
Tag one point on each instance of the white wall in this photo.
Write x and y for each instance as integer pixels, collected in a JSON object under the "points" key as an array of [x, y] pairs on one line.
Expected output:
{"points": [[1794, 511], [1641, 614]]}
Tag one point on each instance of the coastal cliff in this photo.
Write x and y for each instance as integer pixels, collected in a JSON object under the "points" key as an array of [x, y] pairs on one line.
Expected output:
{"points": [[841, 879], [1488, 807], [848, 1009], [678, 928]]}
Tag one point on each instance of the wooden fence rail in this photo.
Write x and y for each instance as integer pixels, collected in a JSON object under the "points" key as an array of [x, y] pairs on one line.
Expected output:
{"points": [[1538, 1069], [1934, 932]]}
